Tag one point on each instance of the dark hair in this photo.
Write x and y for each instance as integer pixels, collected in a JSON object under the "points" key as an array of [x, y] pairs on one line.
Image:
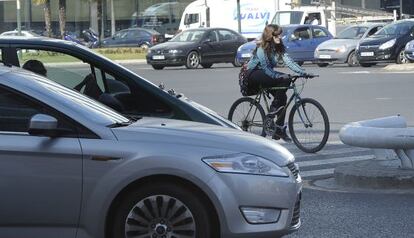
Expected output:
{"points": [[267, 42], [35, 66]]}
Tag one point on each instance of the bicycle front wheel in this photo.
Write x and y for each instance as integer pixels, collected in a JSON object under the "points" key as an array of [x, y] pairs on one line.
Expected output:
{"points": [[309, 125], [249, 115]]}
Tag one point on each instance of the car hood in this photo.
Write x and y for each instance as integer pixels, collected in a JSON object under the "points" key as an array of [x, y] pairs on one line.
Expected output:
{"points": [[169, 131], [335, 43], [173, 45], [248, 46], [374, 40]]}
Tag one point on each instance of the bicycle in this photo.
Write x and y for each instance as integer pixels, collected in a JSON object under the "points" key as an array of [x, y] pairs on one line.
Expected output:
{"points": [[308, 121]]}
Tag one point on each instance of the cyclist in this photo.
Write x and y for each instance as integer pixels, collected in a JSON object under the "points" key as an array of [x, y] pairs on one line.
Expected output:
{"points": [[269, 50]]}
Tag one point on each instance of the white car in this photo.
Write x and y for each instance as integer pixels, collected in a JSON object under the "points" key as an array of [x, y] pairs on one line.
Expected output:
{"points": [[28, 34]]}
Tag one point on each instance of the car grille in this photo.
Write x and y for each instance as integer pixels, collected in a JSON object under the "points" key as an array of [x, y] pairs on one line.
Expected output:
{"points": [[296, 212], [161, 51], [294, 169], [368, 47], [326, 50]]}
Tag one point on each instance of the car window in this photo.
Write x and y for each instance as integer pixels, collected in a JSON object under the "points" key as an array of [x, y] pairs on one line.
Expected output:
{"points": [[373, 30], [212, 36], [302, 33], [61, 68], [226, 35], [16, 110], [191, 18], [318, 33], [186, 36]]}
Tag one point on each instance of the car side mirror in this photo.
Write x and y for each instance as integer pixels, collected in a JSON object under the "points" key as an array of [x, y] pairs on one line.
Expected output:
{"points": [[44, 125], [293, 37], [206, 41]]}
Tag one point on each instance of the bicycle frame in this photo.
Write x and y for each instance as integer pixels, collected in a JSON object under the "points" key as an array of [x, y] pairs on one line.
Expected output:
{"points": [[294, 97]]}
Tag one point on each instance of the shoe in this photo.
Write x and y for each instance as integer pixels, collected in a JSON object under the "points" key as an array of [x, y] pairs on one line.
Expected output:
{"points": [[274, 111], [280, 133]]}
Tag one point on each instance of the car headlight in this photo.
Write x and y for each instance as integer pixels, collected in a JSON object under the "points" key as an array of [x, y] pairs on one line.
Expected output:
{"points": [[388, 44], [242, 163], [175, 51], [341, 49], [410, 45]]}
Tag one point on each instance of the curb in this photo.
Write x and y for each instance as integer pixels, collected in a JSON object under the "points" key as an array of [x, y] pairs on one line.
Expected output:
{"points": [[376, 174], [399, 67]]}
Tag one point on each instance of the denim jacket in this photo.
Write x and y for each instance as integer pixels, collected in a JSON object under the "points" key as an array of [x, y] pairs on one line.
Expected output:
{"points": [[262, 62]]}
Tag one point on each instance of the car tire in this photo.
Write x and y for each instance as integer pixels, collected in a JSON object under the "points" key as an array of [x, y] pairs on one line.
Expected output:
{"points": [[401, 59], [366, 64], [193, 60], [154, 209], [157, 67], [144, 46], [206, 66], [323, 64], [352, 59], [236, 62]]}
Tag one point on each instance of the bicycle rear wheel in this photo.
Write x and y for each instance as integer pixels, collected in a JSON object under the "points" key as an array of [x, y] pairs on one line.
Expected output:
{"points": [[309, 125], [249, 115]]}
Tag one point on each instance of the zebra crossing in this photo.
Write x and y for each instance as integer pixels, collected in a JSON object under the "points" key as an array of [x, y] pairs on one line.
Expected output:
{"points": [[322, 164]]}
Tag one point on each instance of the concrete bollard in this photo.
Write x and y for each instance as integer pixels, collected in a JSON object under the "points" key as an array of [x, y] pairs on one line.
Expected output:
{"points": [[382, 133]]}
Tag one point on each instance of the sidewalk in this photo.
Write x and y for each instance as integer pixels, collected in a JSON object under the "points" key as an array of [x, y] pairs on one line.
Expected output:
{"points": [[399, 67]]}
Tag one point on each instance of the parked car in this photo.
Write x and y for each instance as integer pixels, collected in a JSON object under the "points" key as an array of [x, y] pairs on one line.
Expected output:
{"points": [[202, 46], [28, 34], [73, 167], [133, 37], [341, 49], [300, 42], [113, 84], [387, 45], [409, 51]]}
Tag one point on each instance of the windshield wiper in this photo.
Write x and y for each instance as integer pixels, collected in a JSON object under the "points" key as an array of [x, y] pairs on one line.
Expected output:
{"points": [[120, 124]]}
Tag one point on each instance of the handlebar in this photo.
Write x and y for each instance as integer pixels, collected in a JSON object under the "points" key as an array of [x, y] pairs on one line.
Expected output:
{"points": [[306, 76]]}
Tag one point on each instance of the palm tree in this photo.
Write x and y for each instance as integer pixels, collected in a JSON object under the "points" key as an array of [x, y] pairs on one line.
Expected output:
{"points": [[62, 17], [47, 14]]}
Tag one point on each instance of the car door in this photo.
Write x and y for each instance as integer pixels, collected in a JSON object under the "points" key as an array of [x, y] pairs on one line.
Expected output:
{"points": [[319, 35], [211, 48], [229, 42], [299, 43], [41, 177]]}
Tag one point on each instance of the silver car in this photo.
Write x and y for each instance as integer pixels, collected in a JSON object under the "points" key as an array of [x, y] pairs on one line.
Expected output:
{"points": [[72, 167], [341, 49]]}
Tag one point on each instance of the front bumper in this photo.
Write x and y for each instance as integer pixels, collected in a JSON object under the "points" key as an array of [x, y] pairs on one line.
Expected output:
{"points": [[328, 55], [166, 59], [375, 55], [235, 191]]}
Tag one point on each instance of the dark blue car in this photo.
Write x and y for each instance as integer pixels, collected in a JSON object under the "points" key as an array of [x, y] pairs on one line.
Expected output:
{"points": [[133, 37], [300, 41]]}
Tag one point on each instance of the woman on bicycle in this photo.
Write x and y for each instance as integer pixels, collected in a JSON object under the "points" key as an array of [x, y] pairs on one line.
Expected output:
{"points": [[269, 51]]}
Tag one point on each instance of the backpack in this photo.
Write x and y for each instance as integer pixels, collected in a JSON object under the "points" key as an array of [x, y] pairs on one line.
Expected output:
{"points": [[246, 88]]}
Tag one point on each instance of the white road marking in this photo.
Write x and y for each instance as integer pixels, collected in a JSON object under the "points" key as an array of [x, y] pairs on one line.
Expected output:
{"points": [[303, 164]]}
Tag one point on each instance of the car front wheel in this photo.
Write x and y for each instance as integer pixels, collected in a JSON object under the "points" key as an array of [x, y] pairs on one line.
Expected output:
{"points": [[157, 67], [352, 59], [162, 210], [401, 59], [193, 60]]}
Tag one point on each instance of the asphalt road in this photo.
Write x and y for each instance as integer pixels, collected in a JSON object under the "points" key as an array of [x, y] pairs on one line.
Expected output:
{"points": [[348, 94]]}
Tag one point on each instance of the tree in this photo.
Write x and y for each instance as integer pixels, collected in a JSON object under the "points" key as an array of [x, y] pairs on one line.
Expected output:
{"points": [[47, 14], [62, 18]]}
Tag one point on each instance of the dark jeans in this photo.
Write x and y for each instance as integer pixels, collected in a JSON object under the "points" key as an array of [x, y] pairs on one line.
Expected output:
{"points": [[258, 78]]}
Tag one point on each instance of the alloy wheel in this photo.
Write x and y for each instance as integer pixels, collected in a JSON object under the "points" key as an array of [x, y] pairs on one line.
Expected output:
{"points": [[160, 216]]}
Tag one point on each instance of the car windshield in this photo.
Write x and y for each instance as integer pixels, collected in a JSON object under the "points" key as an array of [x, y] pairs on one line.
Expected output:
{"points": [[395, 29], [352, 33], [287, 17], [189, 36], [84, 104]]}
